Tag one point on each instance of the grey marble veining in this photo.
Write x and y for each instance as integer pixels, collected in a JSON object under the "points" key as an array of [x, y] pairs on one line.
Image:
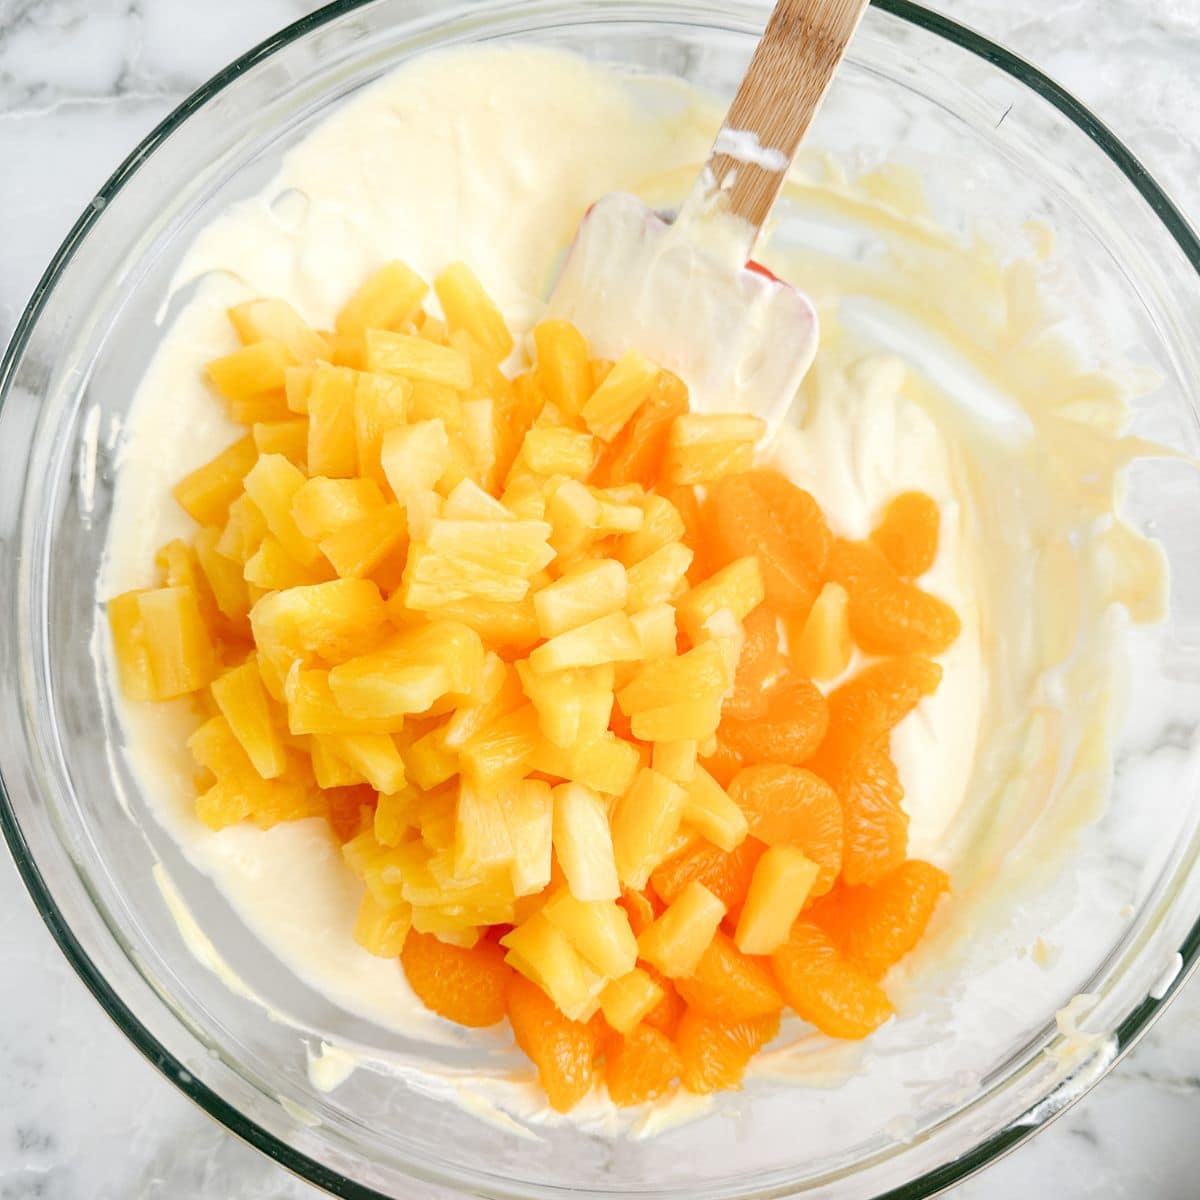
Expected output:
{"points": [[82, 1116]]}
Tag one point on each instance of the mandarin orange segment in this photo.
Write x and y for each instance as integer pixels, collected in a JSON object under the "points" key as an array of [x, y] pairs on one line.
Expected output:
{"points": [[876, 825], [695, 532], [763, 513], [790, 730], [723, 763], [666, 1014], [640, 1066], [716, 1052], [730, 984], [759, 667], [636, 454], [825, 989], [563, 1051], [875, 927], [908, 533], [791, 806], [463, 985], [726, 874]]}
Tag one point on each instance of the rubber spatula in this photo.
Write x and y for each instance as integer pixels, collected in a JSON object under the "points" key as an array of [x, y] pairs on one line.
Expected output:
{"points": [[685, 293]]}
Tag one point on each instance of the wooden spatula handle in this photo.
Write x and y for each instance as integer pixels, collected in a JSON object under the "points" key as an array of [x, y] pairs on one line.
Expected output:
{"points": [[789, 74]]}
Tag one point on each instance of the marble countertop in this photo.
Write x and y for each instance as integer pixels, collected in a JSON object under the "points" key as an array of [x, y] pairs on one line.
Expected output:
{"points": [[82, 1115]]}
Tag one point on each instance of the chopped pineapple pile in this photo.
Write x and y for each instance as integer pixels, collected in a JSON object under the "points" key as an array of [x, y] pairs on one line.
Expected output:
{"points": [[466, 618]]}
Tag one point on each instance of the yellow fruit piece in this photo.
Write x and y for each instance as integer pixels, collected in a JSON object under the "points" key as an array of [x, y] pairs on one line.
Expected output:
{"points": [[585, 593], [250, 371], [699, 674], [563, 371], [626, 1001], [482, 838], [659, 577], [129, 646], [179, 648], [823, 646], [358, 549], [289, 438], [322, 506], [778, 890], [430, 761], [500, 752], [737, 587], [276, 320], [348, 351], [479, 437], [244, 530], [414, 457], [469, 502], [297, 383], [242, 700], [572, 706], [416, 358], [705, 447], [381, 929], [620, 395], [468, 307], [583, 843], [541, 952], [529, 809], [383, 685], [272, 483], [373, 755], [329, 770], [497, 692], [395, 815], [675, 760], [655, 629], [332, 435], [435, 402], [607, 639], [606, 764], [598, 929], [271, 568], [381, 403], [661, 526], [710, 812], [557, 450], [207, 492], [644, 822], [312, 708], [391, 296], [676, 941], [687, 720]]}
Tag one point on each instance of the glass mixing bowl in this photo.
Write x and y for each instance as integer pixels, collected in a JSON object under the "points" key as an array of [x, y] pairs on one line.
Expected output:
{"points": [[998, 144]]}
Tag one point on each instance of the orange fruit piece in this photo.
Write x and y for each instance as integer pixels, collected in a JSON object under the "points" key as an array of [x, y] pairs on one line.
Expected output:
{"points": [[876, 926], [460, 983], [639, 908], [870, 705], [793, 806], [876, 825], [345, 806], [908, 533], [730, 984], [789, 731], [666, 1014], [641, 1066], [563, 1051], [762, 513], [825, 989], [715, 1053], [635, 454], [726, 874], [695, 535], [760, 666], [724, 763]]}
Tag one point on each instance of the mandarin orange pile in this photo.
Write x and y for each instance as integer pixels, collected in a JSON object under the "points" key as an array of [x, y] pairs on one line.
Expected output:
{"points": [[567, 675]]}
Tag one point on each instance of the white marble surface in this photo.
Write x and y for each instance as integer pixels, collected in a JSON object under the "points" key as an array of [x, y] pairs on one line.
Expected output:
{"points": [[82, 1116]]}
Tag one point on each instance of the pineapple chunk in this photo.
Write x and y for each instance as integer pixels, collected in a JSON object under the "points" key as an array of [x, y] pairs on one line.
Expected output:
{"points": [[417, 358], [250, 371], [563, 372], [271, 568], [529, 809], [383, 685], [655, 628], [322, 506], [348, 351], [737, 587], [289, 438], [598, 929], [676, 760], [607, 639], [701, 673], [497, 692], [479, 437], [421, 509], [606, 764], [557, 450], [329, 770], [541, 952], [585, 593], [705, 447], [628, 1000], [778, 891], [395, 815], [709, 810], [332, 433], [572, 706], [312, 708], [179, 649], [435, 402], [373, 756], [381, 403], [430, 761], [687, 720], [621, 394], [129, 646], [240, 696], [206, 494], [414, 457], [482, 837], [658, 577], [467, 306], [469, 502], [244, 530], [574, 514], [387, 299], [276, 320], [583, 844], [358, 549], [297, 383], [676, 941], [644, 822], [272, 483], [823, 646], [500, 752], [661, 526], [260, 409], [381, 929]]}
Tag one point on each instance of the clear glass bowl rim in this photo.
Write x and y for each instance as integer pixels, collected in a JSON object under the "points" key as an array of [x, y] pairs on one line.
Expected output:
{"points": [[1131, 1029]]}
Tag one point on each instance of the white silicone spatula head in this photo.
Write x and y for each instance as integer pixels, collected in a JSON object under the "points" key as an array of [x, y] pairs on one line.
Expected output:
{"points": [[681, 293]]}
